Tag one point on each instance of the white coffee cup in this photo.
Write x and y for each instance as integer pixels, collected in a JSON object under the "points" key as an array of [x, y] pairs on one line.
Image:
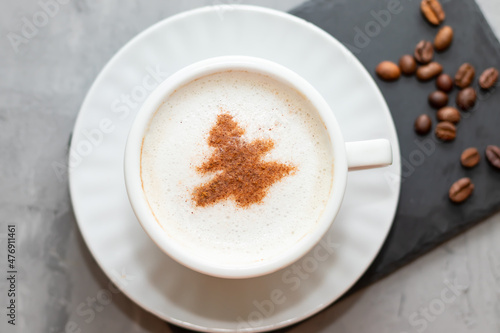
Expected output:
{"points": [[347, 156]]}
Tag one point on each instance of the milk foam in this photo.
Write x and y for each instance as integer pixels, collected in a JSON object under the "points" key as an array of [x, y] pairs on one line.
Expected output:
{"points": [[176, 143]]}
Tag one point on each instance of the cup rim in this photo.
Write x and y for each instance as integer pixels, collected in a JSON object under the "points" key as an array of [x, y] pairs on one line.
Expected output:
{"points": [[139, 202]]}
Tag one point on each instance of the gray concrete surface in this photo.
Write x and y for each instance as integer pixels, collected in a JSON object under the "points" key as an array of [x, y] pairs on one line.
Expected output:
{"points": [[42, 85]]}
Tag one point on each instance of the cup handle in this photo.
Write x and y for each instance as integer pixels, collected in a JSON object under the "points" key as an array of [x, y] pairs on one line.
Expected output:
{"points": [[368, 154]]}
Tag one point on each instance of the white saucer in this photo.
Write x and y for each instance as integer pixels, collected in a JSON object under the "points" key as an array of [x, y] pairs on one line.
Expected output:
{"points": [[133, 261]]}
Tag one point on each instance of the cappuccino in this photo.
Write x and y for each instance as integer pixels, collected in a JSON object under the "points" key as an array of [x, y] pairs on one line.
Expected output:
{"points": [[237, 167]]}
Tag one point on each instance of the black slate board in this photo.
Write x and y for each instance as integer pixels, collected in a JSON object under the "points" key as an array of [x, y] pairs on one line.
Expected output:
{"points": [[425, 217]]}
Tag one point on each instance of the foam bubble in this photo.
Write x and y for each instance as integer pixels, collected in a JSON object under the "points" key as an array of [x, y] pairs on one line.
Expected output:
{"points": [[176, 143]]}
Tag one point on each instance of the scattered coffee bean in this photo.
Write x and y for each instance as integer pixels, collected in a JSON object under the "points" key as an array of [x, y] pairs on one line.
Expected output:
{"points": [[464, 75], [423, 124], [432, 11], [407, 64], [446, 131], [470, 157], [438, 99], [493, 155], [466, 98], [444, 82], [387, 70], [427, 72], [488, 78], [461, 190], [443, 38], [424, 52], [449, 113]]}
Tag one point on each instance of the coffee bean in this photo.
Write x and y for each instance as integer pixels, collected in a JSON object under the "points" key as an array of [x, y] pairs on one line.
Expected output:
{"points": [[407, 64], [466, 98], [432, 11], [461, 190], [470, 157], [488, 78], [464, 75], [424, 52], [493, 155], [423, 124], [387, 70], [446, 131], [443, 38], [427, 72], [449, 113], [438, 99], [444, 82]]}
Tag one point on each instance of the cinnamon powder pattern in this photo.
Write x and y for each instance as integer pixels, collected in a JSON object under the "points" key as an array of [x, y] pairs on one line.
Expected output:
{"points": [[240, 173]]}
